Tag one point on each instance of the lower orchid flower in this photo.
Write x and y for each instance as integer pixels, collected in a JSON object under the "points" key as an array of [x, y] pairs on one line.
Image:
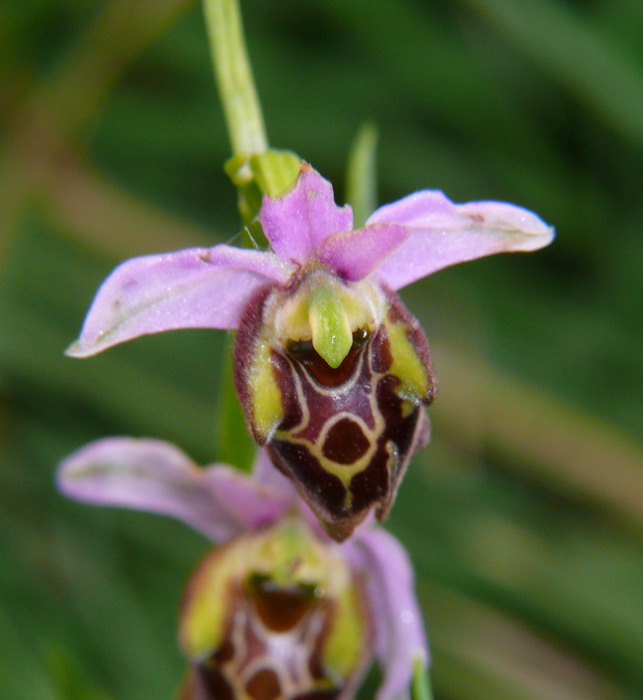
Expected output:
{"points": [[277, 610], [331, 369]]}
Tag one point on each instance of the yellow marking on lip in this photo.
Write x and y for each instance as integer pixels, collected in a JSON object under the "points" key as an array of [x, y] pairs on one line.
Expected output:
{"points": [[407, 365], [267, 409]]}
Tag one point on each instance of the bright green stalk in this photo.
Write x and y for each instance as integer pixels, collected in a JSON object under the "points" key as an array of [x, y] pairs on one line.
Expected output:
{"points": [[254, 168], [234, 78], [233, 442], [420, 686], [361, 177]]}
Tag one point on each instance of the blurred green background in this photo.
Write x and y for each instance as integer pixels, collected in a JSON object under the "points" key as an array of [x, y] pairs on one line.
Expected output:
{"points": [[524, 516]]}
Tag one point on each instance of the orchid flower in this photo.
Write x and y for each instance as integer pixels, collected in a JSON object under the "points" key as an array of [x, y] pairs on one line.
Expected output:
{"points": [[331, 369], [277, 609]]}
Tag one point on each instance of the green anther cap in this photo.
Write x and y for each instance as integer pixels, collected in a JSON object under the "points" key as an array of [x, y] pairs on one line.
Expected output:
{"points": [[329, 325]]}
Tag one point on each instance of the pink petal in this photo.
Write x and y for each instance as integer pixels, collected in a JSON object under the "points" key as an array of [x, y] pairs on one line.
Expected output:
{"points": [[355, 254], [444, 233], [153, 475], [267, 474], [297, 223], [264, 472], [193, 288], [399, 631]]}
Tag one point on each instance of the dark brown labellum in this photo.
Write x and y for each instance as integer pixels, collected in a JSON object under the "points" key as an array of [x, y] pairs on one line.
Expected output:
{"points": [[274, 615], [343, 435]]}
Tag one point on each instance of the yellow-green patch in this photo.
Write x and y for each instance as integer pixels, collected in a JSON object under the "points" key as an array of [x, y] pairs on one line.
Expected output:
{"points": [[204, 613], [265, 395], [407, 364], [347, 639]]}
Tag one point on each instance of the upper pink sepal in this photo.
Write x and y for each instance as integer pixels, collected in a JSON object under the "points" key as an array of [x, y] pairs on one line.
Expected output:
{"points": [[297, 223], [152, 475], [192, 288], [443, 233]]}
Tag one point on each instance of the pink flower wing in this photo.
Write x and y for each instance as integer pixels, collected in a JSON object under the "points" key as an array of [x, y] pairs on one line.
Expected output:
{"points": [[192, 288], [399, 631], [443, 233], [155, 476]]}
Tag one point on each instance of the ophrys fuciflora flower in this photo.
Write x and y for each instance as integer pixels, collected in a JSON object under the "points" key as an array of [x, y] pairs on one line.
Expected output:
{"points": [[277, 609], [331, 369]]}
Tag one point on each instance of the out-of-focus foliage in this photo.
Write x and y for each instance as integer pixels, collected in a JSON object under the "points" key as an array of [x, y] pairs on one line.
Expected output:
{"points": [[524, 515]]}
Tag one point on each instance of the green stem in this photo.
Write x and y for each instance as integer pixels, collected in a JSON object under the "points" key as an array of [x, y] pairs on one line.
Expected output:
{"points": [[420, 686], [234, 78], [234, 444], [361, 175]]}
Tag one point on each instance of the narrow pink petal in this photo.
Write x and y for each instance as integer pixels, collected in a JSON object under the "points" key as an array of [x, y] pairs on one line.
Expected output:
{"points": [[264, 472], [152, 475], [253, 502], [443, 233], [297, 223], [193, 288], [355, 254], [399, 631], [268, 475]]}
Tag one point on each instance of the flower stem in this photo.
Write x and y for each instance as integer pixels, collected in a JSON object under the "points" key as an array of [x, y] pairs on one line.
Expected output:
{"points": [[234, 78], [420, 686], [233, 443]]}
